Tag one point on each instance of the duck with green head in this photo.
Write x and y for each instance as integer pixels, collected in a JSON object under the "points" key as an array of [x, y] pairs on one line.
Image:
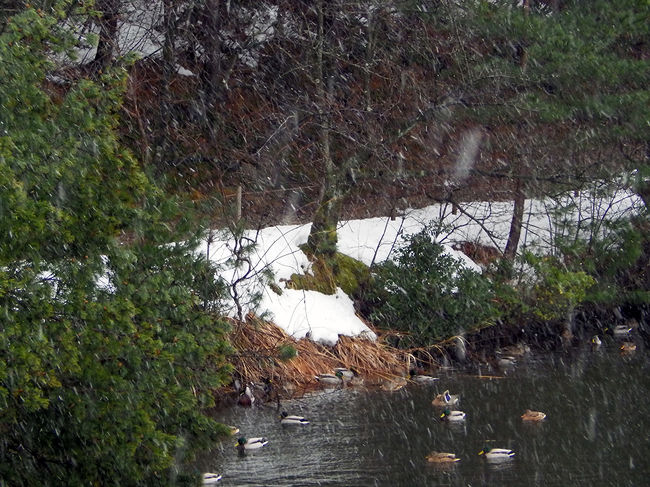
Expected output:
{"points": [[245, 444], [330, 379]]}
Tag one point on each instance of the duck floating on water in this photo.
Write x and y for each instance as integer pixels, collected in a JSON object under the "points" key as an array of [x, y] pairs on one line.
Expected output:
{"points": [[506, 363], [495, 455], [422, 378], [517, 350], [533, 415], [628, 347], [349, 377], [621, 330], [210, 478], [246, 398], [393, 385], [286, 418], [442, 457], [446, 399], [596, 341], [250, 443], [346, 374], [452, 416], [330, 379]]}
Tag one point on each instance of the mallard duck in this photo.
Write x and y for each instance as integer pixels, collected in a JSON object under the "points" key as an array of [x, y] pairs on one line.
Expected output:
{"points": [[423, 379], [262, 389], [346, 374], [496, 454], [393, 385], [628, 347], [442, 457], [621, 330], [506, 362], [596, 341], [250, 443], [246, 398], [453, 416], [233, 430], [533, 415], [330, 379], [210, 478], [286, 418], [446, 399], [355, 381]]}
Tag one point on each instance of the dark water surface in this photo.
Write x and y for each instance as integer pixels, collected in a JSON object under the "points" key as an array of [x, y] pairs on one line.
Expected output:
{"points": [[597, 430]]}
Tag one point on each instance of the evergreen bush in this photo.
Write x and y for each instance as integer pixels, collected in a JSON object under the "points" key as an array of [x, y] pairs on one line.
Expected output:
{"points": [[110, 343], [428, 294]]}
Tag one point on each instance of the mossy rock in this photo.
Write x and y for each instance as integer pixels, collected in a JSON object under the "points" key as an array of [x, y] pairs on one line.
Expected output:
{"points": [[329, 273]]}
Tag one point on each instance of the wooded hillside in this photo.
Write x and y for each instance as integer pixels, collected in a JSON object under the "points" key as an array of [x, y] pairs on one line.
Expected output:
{"points": [[376, 105]]}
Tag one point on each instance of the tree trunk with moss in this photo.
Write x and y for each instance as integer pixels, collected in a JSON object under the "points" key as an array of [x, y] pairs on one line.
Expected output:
{"points": [[322, 237]]}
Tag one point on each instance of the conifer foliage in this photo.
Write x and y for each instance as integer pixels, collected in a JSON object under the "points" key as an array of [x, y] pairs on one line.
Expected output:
{"points": [[108, 349]]}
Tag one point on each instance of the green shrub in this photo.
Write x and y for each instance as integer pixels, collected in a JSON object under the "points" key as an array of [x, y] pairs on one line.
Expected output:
{"points": [[428, 294], [556, 291], [617, 259], [109, 349]]}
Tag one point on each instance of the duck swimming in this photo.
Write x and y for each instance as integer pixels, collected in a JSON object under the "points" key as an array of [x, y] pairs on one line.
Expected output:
{"points": [[517, 350], [442, 457], [246, 398], [423, 379], [621, 331], [287, 419], [495, 455], [628, 347], [393, 385], [250, 443], [453, 416], [445, 399], [210, 478], [533, 415], [346, 374], [330, 379], [506, 363]]}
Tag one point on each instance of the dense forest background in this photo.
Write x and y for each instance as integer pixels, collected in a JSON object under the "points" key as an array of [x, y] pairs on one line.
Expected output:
{"points": [[125, 125], [375, 105]]}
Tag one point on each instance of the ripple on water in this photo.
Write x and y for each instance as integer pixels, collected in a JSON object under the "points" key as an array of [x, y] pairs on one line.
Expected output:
{"points": [[595, 433]]}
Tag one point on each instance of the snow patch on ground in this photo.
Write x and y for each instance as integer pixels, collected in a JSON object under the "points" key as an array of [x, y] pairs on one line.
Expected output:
{"points": [[324, 317]]}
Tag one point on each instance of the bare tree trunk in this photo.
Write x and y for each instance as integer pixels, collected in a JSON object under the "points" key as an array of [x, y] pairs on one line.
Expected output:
{"points": [[213, 20], [520, 198], [108, 24], [643, 188], [322, 237], [516, 222]]}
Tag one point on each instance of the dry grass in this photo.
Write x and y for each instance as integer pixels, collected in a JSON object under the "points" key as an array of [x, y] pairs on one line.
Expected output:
{"points": [[259, 344]]}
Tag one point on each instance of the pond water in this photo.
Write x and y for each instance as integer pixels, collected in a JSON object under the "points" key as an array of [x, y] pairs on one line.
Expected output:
{"points": [[597, 430]]}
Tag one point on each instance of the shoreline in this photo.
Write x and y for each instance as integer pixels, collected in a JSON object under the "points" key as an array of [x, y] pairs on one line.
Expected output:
{"points": [[378, 365]]}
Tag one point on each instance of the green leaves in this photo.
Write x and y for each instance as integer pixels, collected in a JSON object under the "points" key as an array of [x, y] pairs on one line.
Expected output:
{"points": [[428, 294], [557, 291], [109, 346]]}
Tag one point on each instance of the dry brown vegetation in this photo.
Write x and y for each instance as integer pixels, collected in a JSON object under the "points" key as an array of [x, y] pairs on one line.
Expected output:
{"points": [[258, 343]]}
